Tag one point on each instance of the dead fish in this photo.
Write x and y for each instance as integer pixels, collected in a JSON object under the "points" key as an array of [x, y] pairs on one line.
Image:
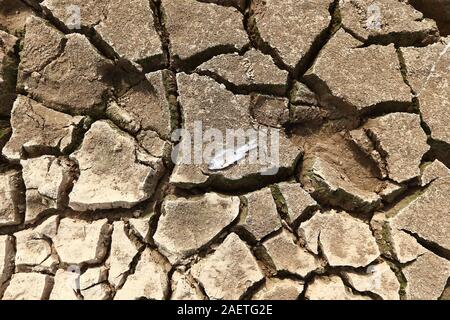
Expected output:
{"points": [[220, 161]]}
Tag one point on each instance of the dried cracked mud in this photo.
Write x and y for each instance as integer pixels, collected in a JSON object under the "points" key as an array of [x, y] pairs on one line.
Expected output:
{"points": [[93, 206]]}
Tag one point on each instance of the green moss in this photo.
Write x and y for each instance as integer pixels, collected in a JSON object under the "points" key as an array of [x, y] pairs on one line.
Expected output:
{"points": [[401, 279], [404, 203], [385, 243], [280, 201], [4, 132]]}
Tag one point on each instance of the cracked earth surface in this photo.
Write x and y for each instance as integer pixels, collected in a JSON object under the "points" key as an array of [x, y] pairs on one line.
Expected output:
{"points": [[92, 207]]}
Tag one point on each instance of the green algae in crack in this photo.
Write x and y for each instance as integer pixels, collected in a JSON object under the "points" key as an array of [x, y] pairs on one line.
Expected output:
{"points": [[404, 202], [400, 278], [280, 201], [171, 91], [385, 244]]}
